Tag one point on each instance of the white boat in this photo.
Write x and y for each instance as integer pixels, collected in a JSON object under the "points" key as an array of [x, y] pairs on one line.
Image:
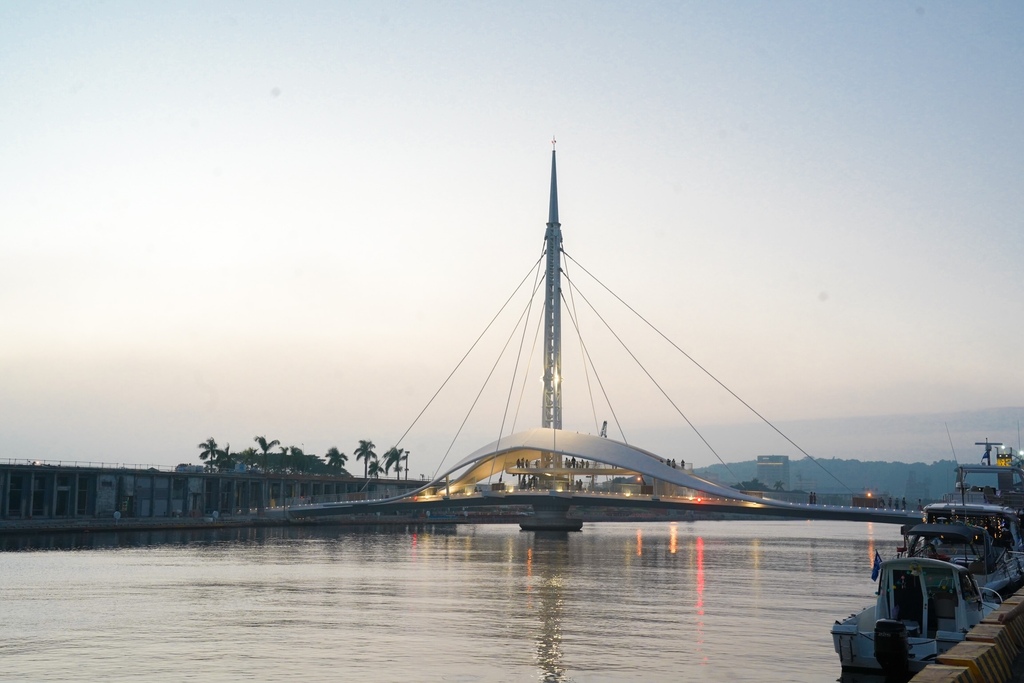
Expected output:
{"points": [[999, 484], [994, 567], [1005, 568], [923, 608]]}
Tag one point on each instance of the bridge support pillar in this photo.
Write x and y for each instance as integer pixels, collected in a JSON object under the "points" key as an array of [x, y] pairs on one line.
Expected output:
{"points": [[553, 516]]}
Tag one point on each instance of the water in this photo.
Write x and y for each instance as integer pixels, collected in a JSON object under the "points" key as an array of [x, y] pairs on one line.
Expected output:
{"points": [[659, 601]]}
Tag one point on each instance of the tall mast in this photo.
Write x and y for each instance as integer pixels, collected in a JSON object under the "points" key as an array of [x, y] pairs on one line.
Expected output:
{"points": [[552, 404]]}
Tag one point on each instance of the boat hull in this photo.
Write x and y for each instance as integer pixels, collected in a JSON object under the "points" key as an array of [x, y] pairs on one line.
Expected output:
{"points": [[855, 645]]}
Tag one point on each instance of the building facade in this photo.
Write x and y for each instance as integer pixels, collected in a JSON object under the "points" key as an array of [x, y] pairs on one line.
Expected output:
{"points": [[773, 468], [41, 491]]}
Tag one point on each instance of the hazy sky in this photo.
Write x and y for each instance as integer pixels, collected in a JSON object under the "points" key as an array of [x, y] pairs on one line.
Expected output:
{"points": [[293, 219]]}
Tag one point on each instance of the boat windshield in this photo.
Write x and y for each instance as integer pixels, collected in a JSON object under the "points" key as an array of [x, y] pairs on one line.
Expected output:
{"points": [[998, 527], [939, 580], [969, 588]]}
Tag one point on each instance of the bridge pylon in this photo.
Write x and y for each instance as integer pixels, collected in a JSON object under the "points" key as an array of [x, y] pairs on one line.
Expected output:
{"points": [[553, 516]]}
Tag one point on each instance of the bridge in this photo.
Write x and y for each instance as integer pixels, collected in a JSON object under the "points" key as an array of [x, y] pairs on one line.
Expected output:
{"points": [[552, 470], [555, 470]]}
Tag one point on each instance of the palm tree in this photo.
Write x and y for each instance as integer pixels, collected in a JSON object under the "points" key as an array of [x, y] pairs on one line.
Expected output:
{"points": [[779, 486], [225, 461], [393, 458], [265, 446], [405, 459], [300, 461], [282, 460], [336, 460], [375, 468], [210, 452], [249, 457], [365, 453]]}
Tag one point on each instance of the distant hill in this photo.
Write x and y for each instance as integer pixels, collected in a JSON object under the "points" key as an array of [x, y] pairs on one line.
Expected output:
{"points": [[925, 481], [880, 438]]}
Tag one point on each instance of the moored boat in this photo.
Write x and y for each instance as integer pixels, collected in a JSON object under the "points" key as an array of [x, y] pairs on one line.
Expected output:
{"points": [[924, 607], [997, 568]]}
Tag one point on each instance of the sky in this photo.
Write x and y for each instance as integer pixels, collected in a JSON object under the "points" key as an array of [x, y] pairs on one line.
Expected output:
{"points": [[233, 219]]}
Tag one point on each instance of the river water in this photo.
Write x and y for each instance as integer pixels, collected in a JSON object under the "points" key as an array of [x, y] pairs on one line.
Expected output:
{"points": [[653, 601]]}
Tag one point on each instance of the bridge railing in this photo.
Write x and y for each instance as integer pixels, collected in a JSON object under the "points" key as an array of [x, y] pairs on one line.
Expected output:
{"points": [[353, 497], [93, 464], [455, 496]]}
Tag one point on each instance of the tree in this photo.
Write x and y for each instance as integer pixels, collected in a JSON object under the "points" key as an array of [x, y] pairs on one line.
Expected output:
{"points": [[393, 458], [296, 459], [779, 486], [210, 452], [405, 459], [265, 446], [336, 460], [375, 467], [224, 461], [365, 453], [249, 457]]}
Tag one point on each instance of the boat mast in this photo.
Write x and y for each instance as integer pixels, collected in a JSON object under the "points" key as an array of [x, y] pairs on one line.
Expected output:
{"points": [[552, 402]]}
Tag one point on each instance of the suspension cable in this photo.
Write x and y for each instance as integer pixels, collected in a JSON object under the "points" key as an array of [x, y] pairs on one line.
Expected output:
{"points": [[708, 373], [526, 374], [653, 381], [589, 359], [482, 387], [465, 356], [586, 369], [525, 318]]}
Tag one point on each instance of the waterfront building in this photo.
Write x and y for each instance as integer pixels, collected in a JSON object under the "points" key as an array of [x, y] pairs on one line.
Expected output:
{"points": [[38, 490], [773, 468]]}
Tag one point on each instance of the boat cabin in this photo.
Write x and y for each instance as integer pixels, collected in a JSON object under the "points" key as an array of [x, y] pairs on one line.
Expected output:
{"points": [[1001, 523], [928, 596], [967, 546], [1001, 485]]}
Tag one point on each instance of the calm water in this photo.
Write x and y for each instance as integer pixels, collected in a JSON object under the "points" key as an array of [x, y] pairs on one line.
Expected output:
{"points": [[701, 601]]}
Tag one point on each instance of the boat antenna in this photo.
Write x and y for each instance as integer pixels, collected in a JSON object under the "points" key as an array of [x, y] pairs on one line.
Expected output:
{"points": [[959, 470], [951, 443]]}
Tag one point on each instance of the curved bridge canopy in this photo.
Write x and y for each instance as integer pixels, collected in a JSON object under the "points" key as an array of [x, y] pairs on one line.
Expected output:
{"points": [[545, 461], [546, 467], [544, 453]]}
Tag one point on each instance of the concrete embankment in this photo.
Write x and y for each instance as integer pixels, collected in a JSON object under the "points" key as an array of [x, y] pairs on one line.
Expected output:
{"points": [[993, 651]]}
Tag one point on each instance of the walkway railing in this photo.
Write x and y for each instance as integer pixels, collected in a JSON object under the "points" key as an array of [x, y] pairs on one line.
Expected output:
{"points": [[35, 462], [455, 497]]}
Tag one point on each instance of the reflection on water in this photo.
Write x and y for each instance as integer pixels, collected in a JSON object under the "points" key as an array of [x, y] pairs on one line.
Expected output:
{"points": [[708, 601], [141, 539], [552, 553], [699, 545]]}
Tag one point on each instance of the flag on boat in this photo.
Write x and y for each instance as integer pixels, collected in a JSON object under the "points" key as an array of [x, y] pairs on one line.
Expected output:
{"points": [[876, 568]]}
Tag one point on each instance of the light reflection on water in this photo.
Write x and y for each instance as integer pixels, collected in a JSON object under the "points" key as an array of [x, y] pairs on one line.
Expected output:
{"points": [[708, 601]]}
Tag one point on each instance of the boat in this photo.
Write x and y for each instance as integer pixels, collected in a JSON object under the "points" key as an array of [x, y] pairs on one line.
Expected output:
{"points": [[1000, 484], [924, 607], [1002, 523], [996, 567]]}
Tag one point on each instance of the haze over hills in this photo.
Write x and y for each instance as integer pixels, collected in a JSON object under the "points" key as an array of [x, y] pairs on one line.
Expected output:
{"points": [[898, 455], [897, 438], [914, 481]]}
